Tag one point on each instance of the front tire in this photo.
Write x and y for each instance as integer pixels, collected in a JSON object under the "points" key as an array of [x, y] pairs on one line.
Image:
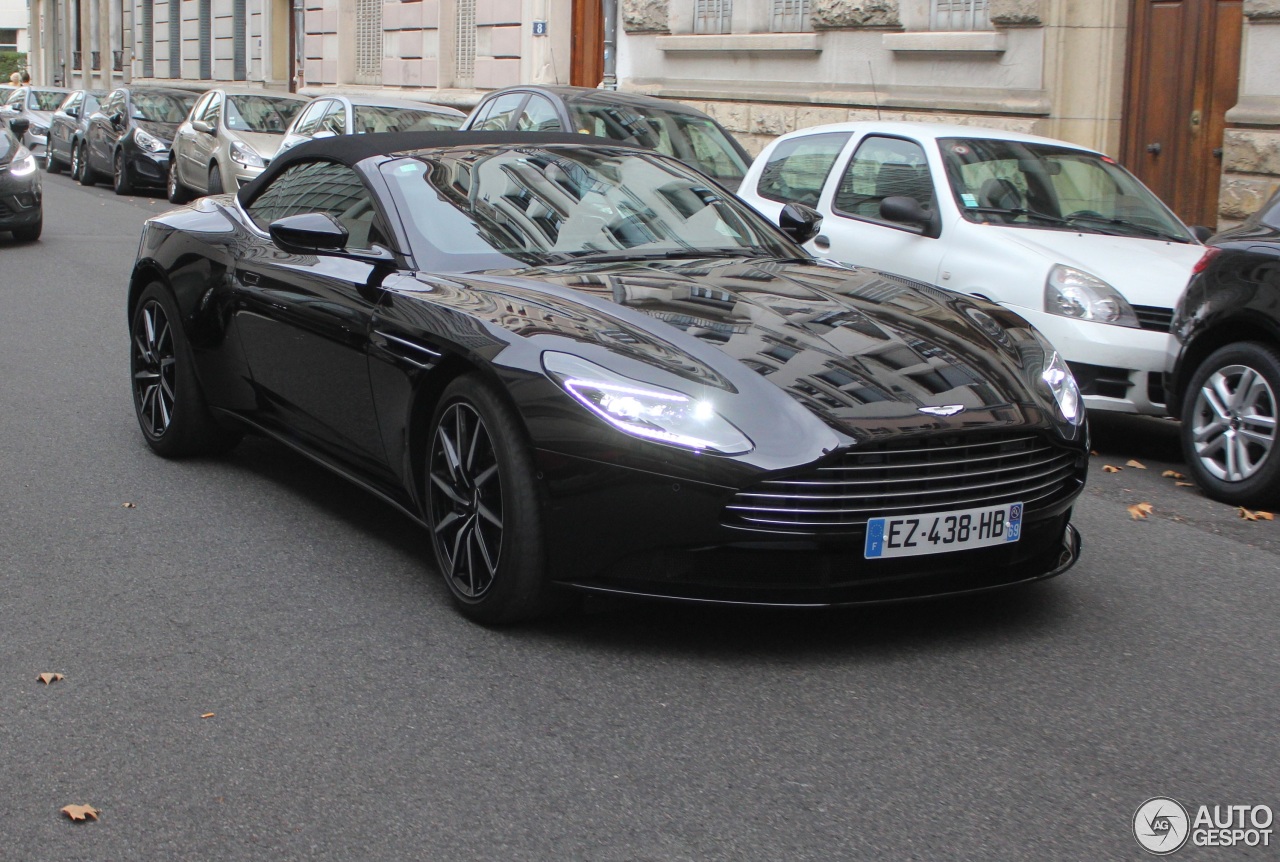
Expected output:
{"points": [[29, 233], [1229, 417], [167, 398], [215, 180], [51, 164], [177, 192], [122, 178], [87, 175], [482, 507]]}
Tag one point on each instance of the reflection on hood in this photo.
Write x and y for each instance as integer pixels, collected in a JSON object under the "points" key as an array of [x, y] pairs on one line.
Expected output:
{"points": [[163, 131], [850, 345]]}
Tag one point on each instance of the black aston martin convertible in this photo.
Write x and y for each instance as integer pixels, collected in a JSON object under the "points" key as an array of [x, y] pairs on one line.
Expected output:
{"points": [[586, 366]]}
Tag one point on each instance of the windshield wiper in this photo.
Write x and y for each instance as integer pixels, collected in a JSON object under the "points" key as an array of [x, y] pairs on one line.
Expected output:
{"points": [[669, 254], [1018, 211], [1125, 223]]}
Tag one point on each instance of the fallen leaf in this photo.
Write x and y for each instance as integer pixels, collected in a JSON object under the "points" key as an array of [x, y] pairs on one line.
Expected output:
{"points": [[128, 506], [207, 715], [1266, 516], [1107, 468], [1093, 451], [1254, 516], [1139, 511], [1172, 474], [80, 812], [1184, 484], [47, 678], [1138, 464]]}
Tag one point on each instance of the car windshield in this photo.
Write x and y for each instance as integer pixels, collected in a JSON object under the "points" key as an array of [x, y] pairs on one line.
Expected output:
{"points": [[695, 140], [45, 100], [487, 207], [1052, 187], [260, 114], [162, 107], [378, 118]]}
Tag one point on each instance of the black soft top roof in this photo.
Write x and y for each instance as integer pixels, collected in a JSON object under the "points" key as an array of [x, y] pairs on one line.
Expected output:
{"points": [[351, 149]]}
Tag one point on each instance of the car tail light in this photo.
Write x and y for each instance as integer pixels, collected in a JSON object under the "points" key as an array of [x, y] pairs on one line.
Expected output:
{"points": [[1203, 263]]}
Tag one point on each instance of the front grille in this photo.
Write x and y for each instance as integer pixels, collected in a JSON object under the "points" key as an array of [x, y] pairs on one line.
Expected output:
{"points": [[935, 474], [1153, 317], [5, 209], [1101, 380]]}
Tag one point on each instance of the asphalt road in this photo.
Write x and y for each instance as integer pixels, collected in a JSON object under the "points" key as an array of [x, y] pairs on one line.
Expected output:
{"points": [[356, 716]]}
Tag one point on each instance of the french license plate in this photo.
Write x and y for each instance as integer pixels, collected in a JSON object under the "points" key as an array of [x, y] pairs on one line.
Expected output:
{"points": [[940, 532]]}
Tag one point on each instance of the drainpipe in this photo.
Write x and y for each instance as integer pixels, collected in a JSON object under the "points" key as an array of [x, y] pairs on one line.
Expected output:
{"points": [[609, 11], [299, 47]]}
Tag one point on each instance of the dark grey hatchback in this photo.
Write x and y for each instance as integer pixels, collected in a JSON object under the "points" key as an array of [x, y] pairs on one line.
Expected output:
{"points": [[21, 193]]}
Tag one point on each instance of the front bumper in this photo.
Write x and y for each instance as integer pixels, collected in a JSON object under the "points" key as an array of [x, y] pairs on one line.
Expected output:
{"points": [[21, 200], [611, 529], [150, 169], [1119, 368]]}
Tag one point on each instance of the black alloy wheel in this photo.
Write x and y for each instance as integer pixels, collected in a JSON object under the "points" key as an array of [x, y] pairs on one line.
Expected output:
{"points": [[482, 507], [215, 180], [167, 399], [176, 191], [122, 178], [1229, 418], [87, 176]]}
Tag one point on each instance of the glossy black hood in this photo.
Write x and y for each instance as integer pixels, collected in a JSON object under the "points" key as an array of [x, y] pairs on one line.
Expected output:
{"points": [[163, 131], [8, 146], [861, 350]]}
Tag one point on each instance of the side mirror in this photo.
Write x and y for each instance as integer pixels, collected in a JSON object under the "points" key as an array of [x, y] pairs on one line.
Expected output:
{"points": [[905, 210], [321, 134], [202, 126], [1201, 232], [19, 126], [72, 112], [117, 119], [308, 233], [800, 222]]}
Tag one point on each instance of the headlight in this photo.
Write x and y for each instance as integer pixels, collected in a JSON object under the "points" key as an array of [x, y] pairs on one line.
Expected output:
{"points": [[644, 410], [148, 142], [1062, 383], [38, 131], [243, 154], [1071, 292], [23, 164]]}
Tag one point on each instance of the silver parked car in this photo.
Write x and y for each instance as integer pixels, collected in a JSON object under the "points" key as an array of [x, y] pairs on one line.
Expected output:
{"points": [[37, 104], [227, 139], [328, 116]]}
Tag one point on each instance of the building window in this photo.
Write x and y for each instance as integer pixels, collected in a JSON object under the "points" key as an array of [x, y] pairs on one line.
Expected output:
{"points": [[464, 45], [790, 16], [8, 40], [175, 38], [713, 16], [206, 39], [369, 42], [239, 48], [959, 15]]}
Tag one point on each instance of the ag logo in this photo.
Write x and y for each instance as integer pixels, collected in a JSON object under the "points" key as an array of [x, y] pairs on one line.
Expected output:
{"points": [[1161, 826], [942, 409]]}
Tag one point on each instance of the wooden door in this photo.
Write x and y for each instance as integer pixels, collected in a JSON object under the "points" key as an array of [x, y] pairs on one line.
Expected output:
{"points": [[586, 64], [1183, 76]]}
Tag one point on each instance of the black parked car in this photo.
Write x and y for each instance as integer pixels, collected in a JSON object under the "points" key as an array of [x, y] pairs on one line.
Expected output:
{"points": [[67, 127], [129, 137], [658, 124], [1226, 377], [582, 366], [21, 192]]}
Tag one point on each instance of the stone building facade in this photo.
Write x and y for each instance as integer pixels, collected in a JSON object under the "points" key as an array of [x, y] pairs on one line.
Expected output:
{"points": [[1061, 68]]}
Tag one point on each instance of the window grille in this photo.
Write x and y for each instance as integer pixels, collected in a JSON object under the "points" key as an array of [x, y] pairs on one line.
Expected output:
{"points": [[206, 39], [369, 42], [959, 15], [175, 38], [791, 16], [713, 16], [239, 52], [148, 40], [464, 46]]}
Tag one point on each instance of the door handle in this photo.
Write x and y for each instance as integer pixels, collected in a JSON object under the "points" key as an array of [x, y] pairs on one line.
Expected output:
{"points": [[822, 241], [1154, 149], [249, 277]]}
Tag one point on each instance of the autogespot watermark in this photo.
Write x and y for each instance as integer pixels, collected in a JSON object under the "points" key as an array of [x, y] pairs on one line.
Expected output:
{"points": [[1163, 826]]}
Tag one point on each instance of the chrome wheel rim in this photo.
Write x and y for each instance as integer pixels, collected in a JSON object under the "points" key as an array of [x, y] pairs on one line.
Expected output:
{"points": [[154, 368], [1234, 423], [76, 160], [48, 156], [173, 181], [119, 170], [465, 498]]}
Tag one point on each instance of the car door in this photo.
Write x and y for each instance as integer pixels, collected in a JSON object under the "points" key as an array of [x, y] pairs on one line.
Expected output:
{"points": [[497, 114], [102, 134], [196, 142], [63, 124], [853, 230], [304, 320], [305, 125]]}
